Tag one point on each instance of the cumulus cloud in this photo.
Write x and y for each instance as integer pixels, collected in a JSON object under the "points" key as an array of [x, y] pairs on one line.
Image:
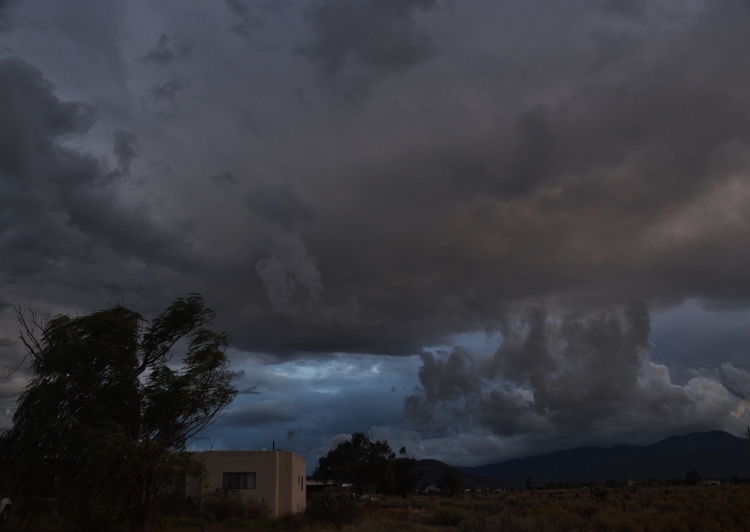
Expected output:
{"points": [[570, 375]]}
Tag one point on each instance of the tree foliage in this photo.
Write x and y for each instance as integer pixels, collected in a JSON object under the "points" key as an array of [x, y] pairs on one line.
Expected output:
{"points": [[104, 423], [369, 464], [405, 473], [450, 483], [692, 478], [358, 461]]}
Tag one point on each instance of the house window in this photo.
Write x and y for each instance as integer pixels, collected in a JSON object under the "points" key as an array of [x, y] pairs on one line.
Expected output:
{"points": [[238, 481]]}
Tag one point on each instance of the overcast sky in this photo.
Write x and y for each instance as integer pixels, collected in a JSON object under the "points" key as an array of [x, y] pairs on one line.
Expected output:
{"points": [[478, 228]]}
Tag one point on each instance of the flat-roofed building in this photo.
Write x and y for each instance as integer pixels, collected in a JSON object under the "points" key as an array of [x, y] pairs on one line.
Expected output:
{"points": [[275, 477]]}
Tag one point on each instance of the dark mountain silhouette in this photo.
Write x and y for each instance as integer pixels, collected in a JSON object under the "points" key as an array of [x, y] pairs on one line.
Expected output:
{"points": [[714, 454]]}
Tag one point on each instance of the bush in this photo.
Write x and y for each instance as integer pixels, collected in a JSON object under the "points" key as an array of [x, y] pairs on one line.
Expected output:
{"points": [[257, 509], [336, 509], [190, 521], [447, 516], [231, 504]]}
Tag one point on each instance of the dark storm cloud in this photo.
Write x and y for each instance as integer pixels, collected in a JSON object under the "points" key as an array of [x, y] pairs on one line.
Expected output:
{"points": [[251, 14], [124, 150], [91, 27], [514, 174], [528, 160], [567, 374], [576, 177], [57, 206], [258, 415], [5, 20], [378, 36], [628, 8], [167, 50], [168, 90], [34, 169], [575, 156], [278, 204], [34, 117], [225, 178], [291, 277]]}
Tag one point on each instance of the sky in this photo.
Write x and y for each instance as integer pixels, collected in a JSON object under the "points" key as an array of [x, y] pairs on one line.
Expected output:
{"points": [[479, 229]]}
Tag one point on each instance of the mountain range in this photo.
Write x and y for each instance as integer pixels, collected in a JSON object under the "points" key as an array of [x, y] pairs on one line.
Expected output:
{"points": [[715, 454]]}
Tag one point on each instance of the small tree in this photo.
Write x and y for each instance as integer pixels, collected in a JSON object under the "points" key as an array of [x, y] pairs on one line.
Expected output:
{"points": [[450, 483], [108, 414], [405, 473], [359, 461], [692, 478]]}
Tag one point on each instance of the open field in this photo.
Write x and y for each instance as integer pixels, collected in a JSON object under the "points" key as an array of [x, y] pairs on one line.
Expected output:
{"points": [[640, 508]]}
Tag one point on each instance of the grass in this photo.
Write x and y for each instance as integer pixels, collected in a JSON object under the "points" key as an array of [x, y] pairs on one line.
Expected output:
{"points": [[621, 509]]}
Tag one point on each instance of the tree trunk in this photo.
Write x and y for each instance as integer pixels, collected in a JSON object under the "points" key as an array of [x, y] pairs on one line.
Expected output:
{"points": [[140, 510]]}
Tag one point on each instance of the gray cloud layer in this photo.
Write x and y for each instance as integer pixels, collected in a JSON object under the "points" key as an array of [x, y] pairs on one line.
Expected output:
{"points": [[380, 176]]}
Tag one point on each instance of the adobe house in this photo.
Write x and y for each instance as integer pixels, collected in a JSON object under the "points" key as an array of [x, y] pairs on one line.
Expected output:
{"points": [[277, 477]]}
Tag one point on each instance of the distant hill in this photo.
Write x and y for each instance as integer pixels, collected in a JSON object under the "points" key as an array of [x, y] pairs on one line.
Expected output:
{"points": [[714, 454]]}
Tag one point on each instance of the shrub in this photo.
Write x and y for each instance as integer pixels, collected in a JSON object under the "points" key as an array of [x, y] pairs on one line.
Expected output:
{"points": [[230, 504], [225, 504], [257, 509], [190, 521], [333, 508], [447, 516]]}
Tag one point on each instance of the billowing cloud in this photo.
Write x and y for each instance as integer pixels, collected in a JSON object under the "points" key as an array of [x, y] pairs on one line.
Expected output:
{"points": [[519, 170], [569, 374]]}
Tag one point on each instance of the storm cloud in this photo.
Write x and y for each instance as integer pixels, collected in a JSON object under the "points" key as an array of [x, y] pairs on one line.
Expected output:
{"points": [[388, 178], [565, 375], [380, 36]]}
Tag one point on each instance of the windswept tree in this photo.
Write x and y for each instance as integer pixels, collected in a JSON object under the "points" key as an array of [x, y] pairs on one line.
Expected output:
{"points": [[106, 419]]}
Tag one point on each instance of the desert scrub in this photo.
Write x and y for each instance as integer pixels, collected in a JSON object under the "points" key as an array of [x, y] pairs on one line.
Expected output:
{"points": [[447, 516], [336, 509], [190, 521], [230, 504]]}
